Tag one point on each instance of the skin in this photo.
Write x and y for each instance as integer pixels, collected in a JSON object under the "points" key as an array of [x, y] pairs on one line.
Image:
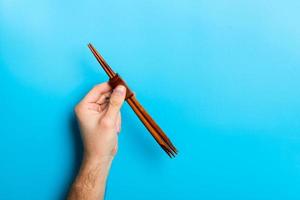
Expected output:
{"points": [[99, 120]]}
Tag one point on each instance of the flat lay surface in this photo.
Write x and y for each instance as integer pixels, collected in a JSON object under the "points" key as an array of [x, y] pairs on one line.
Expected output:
{"points": [[221, 78]]}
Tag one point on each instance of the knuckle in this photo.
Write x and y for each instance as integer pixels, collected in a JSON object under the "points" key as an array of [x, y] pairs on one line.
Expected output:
{"points": [[78, 109]]}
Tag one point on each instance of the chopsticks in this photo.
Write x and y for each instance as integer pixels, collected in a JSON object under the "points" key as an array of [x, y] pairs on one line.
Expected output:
{"points": [[157, 133]]}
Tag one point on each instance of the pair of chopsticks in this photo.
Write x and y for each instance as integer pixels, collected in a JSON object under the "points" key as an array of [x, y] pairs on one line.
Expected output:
{"points": [[158, 134]]}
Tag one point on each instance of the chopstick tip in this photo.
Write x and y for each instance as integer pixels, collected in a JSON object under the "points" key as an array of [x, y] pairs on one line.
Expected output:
{"points": [[90, 45]]}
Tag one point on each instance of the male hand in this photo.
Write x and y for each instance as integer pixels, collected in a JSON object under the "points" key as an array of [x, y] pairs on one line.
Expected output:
{"points": [[100, 120]]}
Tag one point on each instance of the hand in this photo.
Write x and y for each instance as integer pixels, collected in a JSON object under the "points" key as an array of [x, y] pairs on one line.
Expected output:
{"points": [[99, 120]]}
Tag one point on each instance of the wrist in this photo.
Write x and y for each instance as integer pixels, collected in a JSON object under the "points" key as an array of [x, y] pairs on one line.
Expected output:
{"points": [[97, 160]]}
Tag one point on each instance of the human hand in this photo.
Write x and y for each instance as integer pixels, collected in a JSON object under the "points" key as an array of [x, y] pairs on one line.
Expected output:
{"points": [[99, 120]]}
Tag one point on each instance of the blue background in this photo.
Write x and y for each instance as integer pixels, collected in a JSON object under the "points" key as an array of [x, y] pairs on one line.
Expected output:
{"points": [[227, 93]]}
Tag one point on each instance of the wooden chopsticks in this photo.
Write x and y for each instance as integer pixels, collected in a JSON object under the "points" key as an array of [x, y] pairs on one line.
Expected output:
{"points": [[157, 133]]}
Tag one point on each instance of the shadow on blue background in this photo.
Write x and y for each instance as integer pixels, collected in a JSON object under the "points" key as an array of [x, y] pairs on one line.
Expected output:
{"points": [[227, 94]]}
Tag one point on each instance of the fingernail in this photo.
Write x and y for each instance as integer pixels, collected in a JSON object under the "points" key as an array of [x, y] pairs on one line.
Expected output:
{"points": [[120, 90]]}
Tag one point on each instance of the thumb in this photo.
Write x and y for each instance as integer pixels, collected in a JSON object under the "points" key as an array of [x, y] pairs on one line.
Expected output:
{"points": [[115, 102]]}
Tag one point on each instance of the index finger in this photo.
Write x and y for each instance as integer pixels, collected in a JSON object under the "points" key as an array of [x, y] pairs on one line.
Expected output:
{"points": [[94, 94]]}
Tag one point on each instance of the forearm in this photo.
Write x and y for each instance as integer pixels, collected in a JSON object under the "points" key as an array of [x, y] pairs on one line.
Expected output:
{"points": [[91, 180]]}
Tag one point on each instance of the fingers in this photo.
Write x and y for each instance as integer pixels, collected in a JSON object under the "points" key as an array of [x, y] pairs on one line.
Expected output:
{"points": [[95, 93], [94, 107], [104, 98], [115, 102]]}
